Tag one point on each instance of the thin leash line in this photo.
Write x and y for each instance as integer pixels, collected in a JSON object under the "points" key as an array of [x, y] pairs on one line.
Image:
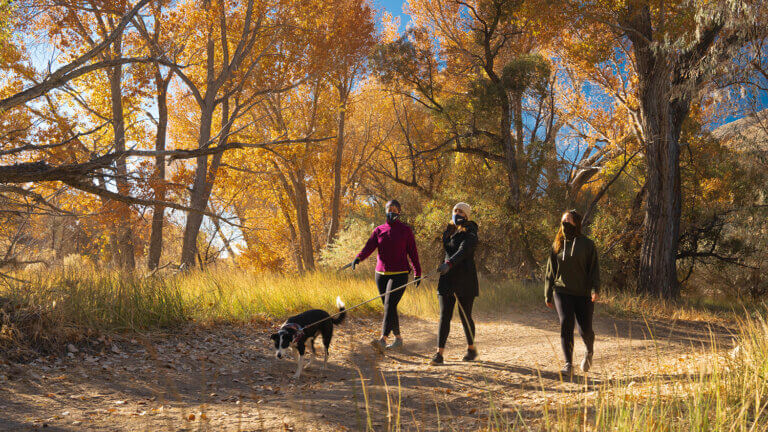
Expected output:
{"points": [[372, 299]]}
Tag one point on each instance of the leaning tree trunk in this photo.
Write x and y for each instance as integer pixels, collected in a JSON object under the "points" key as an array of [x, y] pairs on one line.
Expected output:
{"points": [[158, 215], [124, 243]]}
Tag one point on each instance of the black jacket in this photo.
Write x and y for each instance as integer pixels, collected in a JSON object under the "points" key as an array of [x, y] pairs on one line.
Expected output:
{"points": [[459, 247]]}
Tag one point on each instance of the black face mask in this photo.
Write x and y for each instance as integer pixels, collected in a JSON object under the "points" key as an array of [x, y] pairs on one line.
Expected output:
{"points": [[458, 219], [569, 230], [391, 217]]}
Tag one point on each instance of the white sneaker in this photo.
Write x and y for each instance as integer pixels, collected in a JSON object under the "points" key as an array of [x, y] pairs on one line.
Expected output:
{"points": [[586, 364], [378, 345]]}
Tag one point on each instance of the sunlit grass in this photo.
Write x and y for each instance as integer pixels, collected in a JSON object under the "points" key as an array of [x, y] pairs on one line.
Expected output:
{"points": [[79, 294], [111, 300], [723, 391]]}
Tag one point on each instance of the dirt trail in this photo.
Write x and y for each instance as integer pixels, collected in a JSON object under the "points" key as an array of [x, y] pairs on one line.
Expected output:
{"points": [[226, 378]]}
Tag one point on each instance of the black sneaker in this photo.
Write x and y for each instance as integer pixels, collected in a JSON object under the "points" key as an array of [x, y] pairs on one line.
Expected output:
{"points": [[437, 360], [470, 355]]}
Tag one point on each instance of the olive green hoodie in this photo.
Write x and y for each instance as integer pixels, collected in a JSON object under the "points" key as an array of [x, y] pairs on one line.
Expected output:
{"points": [[574, 270]]}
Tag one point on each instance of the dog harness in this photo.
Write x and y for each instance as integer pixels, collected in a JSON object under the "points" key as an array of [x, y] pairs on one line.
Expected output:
{"points": [[297, 329]]}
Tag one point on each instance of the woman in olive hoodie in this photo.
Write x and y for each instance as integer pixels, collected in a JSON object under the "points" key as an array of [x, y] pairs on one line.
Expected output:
{"points": [[458, 280], [572, 283]]}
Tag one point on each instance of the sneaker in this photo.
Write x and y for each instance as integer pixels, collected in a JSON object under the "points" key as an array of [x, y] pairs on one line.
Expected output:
{"points": [[378, 345], [396, 345], [470, 355], [567, 370], [437, 360], [586, 364]]}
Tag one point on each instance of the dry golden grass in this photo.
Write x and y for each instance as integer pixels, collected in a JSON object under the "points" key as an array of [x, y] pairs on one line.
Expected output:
{"points": [[726, 394]]}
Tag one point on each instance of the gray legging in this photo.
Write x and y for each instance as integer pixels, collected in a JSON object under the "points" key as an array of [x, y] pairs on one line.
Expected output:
{"points": [[447, 303]]}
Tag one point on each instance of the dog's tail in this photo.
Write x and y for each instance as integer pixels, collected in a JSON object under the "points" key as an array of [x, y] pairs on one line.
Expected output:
{"points": [[340, 319]]}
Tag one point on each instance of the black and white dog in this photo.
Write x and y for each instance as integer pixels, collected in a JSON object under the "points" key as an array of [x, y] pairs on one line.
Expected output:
{"points": [[304, 327]]}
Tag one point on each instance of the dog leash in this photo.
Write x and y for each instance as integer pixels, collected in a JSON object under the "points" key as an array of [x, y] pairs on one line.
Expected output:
{"points": [[419, 279]]}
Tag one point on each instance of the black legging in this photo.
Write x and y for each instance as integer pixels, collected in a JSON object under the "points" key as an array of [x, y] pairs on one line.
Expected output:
{"points": [[581, 308], [391, 323], [447, 302]]}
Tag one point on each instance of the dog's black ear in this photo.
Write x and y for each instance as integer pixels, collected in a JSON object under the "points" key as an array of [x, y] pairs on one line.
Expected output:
{"points": [[275, 336]]}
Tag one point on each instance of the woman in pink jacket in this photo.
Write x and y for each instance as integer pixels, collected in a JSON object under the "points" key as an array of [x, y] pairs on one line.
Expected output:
{"points": [[396, 244]]}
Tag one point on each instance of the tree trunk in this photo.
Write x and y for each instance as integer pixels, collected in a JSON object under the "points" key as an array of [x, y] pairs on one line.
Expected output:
{"points": [[296, 247], [302, 220], [197, 199], [519, 246], [158, 215], [517, 108], [661, 121], [124, 233], [657, 273], [205, 177], [337, 163]]}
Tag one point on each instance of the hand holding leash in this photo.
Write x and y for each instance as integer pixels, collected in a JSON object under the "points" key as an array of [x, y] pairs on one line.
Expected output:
{"points": [[417, 281], [352, 264]]}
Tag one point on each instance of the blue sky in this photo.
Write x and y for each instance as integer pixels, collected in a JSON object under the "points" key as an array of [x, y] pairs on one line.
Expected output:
{"points": [[395, 7]]}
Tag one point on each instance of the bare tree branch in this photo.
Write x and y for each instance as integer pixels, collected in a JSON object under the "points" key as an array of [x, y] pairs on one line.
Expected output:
{"points": [[91, 188], [75, 68]]}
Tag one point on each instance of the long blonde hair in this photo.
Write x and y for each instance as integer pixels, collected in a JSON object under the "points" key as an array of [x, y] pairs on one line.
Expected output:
{"points": [[557, 245]]}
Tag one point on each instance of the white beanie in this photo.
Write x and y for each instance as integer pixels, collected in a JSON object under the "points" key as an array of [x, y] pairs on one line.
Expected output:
{"points": [[463, 207]]}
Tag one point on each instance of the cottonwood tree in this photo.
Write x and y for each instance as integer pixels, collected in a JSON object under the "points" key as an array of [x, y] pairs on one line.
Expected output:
{"points": [[237, 45], [475, 65], [44, 145], [97, 29], [157, 30], [672, 50], [345, 39]]}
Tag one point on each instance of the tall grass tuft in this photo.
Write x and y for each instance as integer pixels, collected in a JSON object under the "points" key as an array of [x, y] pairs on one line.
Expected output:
{"points": [[730, 393], [726, 392]]}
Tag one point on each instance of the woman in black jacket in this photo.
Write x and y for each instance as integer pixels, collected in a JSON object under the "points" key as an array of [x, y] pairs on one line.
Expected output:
{"points": [[458, 280]]}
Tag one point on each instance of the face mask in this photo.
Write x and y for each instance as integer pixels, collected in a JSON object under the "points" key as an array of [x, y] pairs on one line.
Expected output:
{"points": [[569, 230], [458, 219], [391, 216]]}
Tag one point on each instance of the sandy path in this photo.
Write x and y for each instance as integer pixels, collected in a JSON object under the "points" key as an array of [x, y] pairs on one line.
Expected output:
{"points": [[226, 378]]}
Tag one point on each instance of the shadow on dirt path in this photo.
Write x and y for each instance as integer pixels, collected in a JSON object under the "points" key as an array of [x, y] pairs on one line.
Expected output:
{"points": [[226, 378]]}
